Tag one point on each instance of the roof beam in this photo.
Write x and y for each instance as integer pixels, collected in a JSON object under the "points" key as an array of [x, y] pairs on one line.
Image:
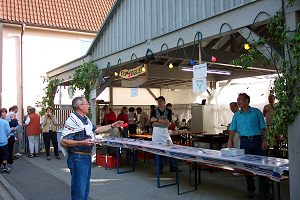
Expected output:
{"points": [[221, 43], [151, 93]]}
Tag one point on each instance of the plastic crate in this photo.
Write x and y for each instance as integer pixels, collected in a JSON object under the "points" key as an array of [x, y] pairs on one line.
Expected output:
{"points": [[140, 155]]}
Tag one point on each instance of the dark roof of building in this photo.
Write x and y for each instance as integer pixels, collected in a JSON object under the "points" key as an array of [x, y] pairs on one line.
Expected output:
{"points": [[77, 15]]}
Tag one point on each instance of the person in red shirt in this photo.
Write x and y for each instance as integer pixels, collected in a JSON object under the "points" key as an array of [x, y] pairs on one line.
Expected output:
{"points": [[123, 116], [109, 116]]}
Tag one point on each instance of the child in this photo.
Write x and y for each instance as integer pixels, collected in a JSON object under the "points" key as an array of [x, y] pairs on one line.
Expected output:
{"points": [[14, 125]]}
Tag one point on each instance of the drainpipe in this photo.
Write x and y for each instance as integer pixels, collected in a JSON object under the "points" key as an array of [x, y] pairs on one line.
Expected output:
{"points": [[21, 72], [1, 60]]}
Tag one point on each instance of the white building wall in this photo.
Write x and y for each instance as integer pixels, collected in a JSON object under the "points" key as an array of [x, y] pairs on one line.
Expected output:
{"points": [[43, 50], [122, 96]]}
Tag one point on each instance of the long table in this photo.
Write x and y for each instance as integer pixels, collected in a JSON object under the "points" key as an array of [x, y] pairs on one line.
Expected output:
{"points": [[186, 134], [270, 167]]}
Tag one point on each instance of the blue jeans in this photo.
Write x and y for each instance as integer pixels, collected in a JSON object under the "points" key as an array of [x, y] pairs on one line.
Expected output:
{"points": [[80, 168], [252, 146]]}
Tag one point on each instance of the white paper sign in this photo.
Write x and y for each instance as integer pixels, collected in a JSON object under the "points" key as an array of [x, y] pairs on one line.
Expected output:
{"points": [[93, 94], [134, 92], [199, 85], [200, 71]]}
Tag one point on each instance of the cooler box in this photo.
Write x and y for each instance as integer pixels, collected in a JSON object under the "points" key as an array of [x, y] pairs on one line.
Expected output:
{"points": [[111, 161], [232, 152]]}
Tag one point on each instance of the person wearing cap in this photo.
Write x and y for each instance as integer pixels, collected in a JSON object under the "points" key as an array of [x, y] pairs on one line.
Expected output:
{"points": [[160, 118]]}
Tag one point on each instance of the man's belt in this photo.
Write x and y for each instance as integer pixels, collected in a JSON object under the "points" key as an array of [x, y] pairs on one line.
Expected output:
{"points": [[82, 153], [251, 137]]}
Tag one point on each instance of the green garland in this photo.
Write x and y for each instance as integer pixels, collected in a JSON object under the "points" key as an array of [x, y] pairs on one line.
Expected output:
{"points": [[50, 91], [286, 86]]}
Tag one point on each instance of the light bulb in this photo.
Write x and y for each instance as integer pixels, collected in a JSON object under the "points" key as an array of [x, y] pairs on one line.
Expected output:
{"points": [[171, 66], [143, 69], [116, 74], [246, 46]]}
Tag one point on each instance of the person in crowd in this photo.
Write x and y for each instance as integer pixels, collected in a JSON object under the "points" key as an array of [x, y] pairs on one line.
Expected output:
{"points": [[236, 139], [132, 118], [33, 132], [78, 139], [172, 125], [27, 114], [14, 125], [3, 113], [160, 119], [123, 116], [249, 123], [109, 115], [183, 125], [49, 124], [4, 133], [268, 110], [152, 107], [18, 135], [143, 120], [3, 116], [12, 110], [25, 129], [169, 106]]}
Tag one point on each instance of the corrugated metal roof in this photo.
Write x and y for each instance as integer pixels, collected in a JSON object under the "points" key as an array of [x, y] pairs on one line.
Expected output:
{"points": [[79, 15]]}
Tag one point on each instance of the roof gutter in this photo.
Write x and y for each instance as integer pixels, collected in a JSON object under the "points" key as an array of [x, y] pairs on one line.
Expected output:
{"points": [[50, 27]]}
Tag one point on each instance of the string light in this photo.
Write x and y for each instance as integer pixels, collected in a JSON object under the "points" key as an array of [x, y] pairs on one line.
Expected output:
{"points": [[143, 69], [171, 65], [192, 62], [246, 46]]}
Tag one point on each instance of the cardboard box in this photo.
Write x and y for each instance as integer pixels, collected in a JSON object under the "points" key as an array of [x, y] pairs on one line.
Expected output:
{"points": [[232, 152]]}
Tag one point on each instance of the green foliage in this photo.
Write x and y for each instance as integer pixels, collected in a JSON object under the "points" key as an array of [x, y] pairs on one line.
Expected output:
{"points": [[250, 59], [288, 81], [50, 91], [84, 78]]}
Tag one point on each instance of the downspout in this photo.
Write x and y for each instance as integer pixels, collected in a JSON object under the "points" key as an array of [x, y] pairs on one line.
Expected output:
{"points": [[21, 72], [1, 60]]}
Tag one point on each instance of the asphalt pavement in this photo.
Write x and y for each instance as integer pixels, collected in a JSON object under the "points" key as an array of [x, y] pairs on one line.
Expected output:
{"points": [[27, 181]]}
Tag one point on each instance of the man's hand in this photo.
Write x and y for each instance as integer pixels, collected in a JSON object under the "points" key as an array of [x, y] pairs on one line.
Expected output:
{"points": [[230, 144], [264, 144], [88, 142], [117, 124]]}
